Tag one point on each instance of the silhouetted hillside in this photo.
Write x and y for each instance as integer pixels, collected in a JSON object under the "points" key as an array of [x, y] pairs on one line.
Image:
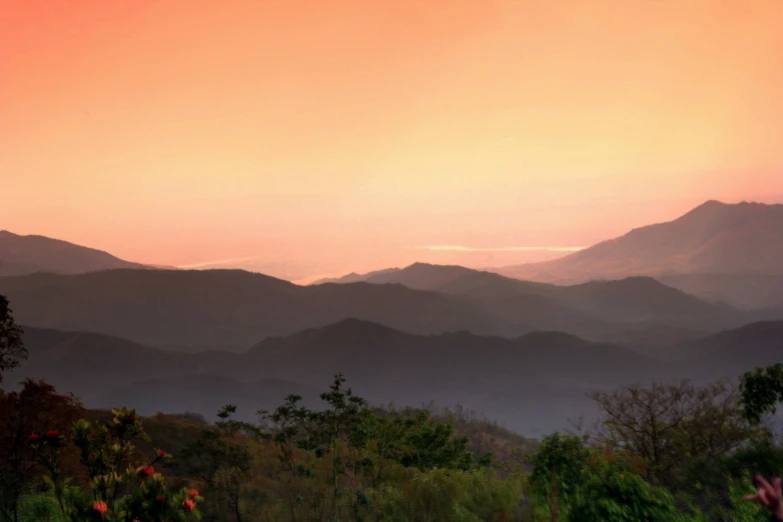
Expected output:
{"points": [[654, 338], [726, 353], [89, 364], [532, 383], [30, 254], [381, 364], [748, 291], [745, 238], [353, 277], [645, 299], [217, 307], [378, 359], [591, 309], [450, 279]]}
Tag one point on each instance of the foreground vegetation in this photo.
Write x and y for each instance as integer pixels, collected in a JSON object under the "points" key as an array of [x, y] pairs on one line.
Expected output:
{"points": [[687, 460], [667, 452]]}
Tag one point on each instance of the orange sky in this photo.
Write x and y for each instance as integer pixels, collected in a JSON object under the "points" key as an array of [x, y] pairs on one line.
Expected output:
{"points": [[188, 131]]}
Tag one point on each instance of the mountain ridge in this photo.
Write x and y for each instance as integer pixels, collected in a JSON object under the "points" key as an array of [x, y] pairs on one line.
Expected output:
{"points": [[446, 368], [214, 307], [532, 383], [745, 237], [197, 309], [578, 308], [29, 254]]}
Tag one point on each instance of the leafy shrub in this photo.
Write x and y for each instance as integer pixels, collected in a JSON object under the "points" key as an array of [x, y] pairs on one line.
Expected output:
{"points": [[121, 486]]}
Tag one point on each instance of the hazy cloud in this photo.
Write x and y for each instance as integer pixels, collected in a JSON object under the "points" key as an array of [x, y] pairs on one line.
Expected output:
{"points": [[460, 248]]}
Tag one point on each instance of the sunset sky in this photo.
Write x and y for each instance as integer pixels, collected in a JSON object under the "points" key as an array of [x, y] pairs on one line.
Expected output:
{"points": [[345, 135]]}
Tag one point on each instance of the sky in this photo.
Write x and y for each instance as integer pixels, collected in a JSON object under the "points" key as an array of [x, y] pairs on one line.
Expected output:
{"points": [[350, 135]]}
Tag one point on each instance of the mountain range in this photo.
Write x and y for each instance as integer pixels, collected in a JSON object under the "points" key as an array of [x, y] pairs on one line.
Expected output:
{"points": [[699, 297], [232, 309], [731, 241], [532, 383], [226, 309], [729, 253]]}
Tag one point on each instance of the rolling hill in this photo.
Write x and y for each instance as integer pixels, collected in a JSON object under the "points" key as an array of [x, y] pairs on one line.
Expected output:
{"points": [[750, 346], [747, 291], [716, 238], [532, 383], [21, 255], [589, 309], [203, 309], [381, 364], [232, 309]]}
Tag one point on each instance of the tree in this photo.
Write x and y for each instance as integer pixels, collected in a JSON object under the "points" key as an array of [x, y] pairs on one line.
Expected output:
{"points": [[12, 350], [559, 468], [337, 422], [761, 390], [667, 425], [293, 432], [430, 444], [614, 492], [36, 408], [413, 440], [574, 482], [222, 461]]}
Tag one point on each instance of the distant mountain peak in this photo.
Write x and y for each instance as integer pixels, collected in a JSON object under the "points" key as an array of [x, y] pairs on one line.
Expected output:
{"points": [[28, 254], [353, 324], [715, 237]]}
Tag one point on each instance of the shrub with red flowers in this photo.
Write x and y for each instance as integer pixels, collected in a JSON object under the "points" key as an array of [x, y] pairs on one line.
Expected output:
{"points": [[119, 489]]}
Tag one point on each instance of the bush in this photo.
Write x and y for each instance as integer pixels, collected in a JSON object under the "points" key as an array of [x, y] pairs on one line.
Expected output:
{"points": [[122, 486]]}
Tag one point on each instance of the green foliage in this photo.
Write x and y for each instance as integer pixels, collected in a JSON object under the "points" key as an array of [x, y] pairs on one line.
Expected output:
{"points": [[414, 440], [707, 481], [112, 493], [582, 484], [613, 492], [761, 390], [560, 470], [41, 507], [347, 462], [448, 494], [222, 462], [741, 510]]}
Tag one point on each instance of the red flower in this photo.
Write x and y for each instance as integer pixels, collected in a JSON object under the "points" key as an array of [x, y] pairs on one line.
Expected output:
{"points": [[193, 493], [52, 434], [160, 485], [160, 498], [188, 504], [33, 437], [162, 453], [99, 506], [131, 418], [147, 471]]}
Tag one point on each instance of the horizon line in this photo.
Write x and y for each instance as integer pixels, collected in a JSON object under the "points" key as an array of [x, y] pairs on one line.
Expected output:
{"points": [[461, 248]]}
